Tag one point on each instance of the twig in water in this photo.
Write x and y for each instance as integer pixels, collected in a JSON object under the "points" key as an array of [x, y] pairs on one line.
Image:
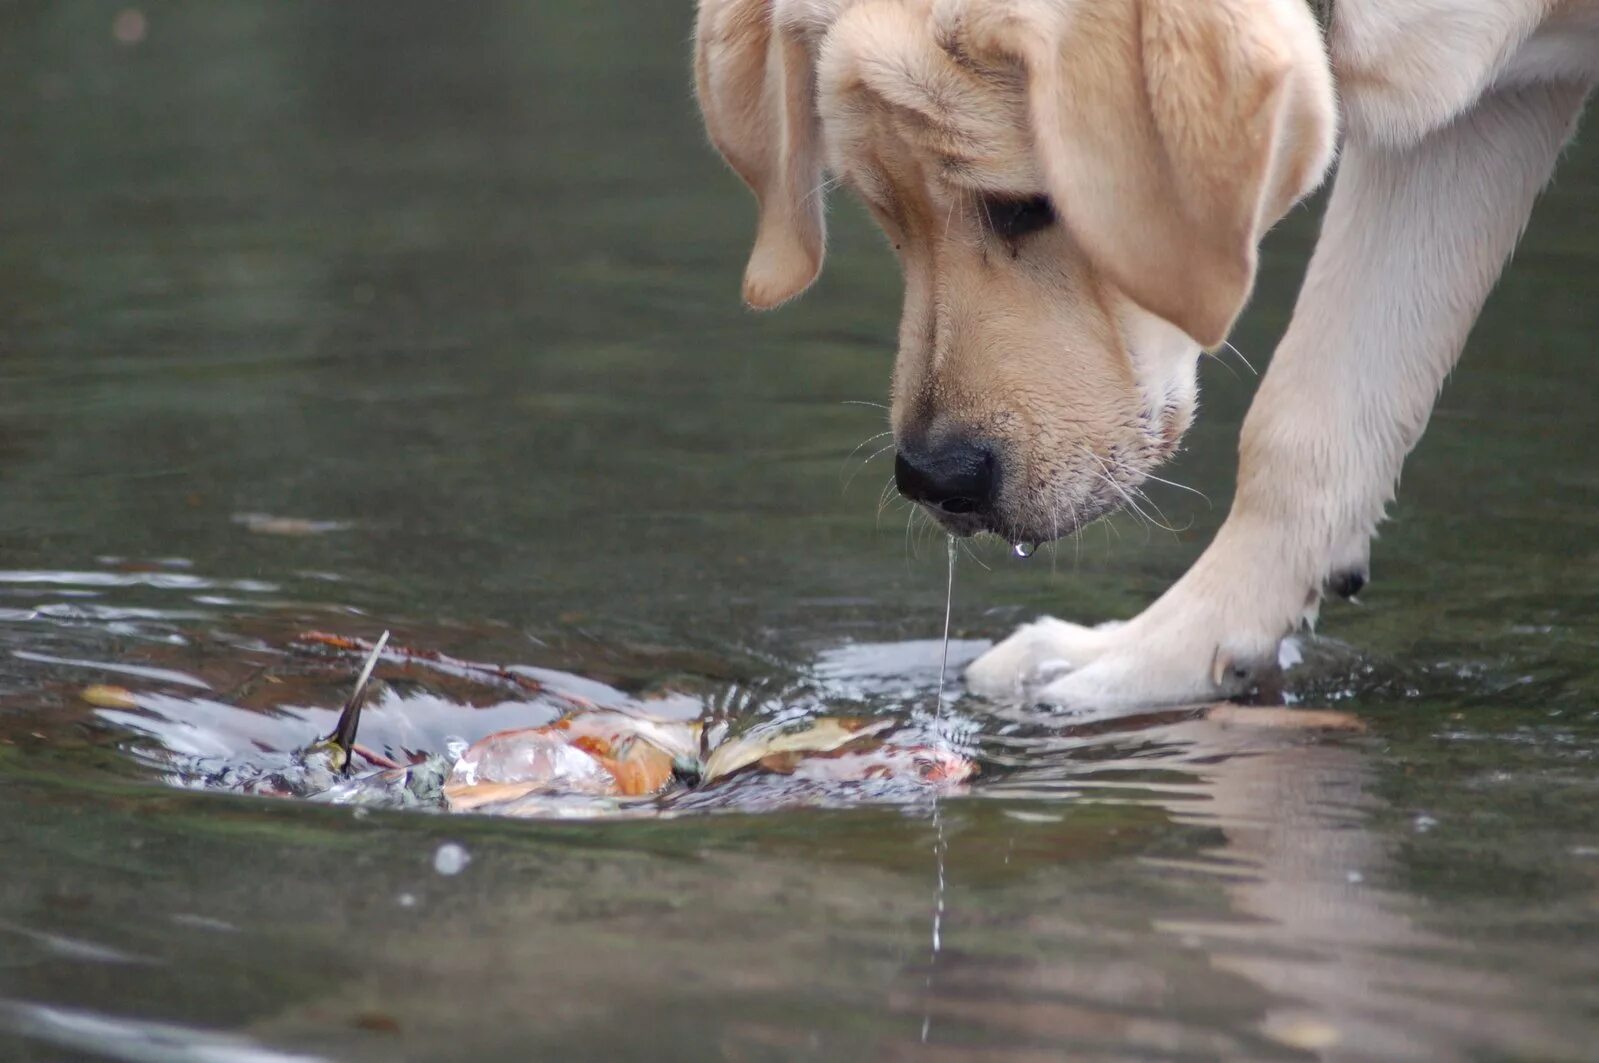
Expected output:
{"points": [[444, 663], [343, 735]]}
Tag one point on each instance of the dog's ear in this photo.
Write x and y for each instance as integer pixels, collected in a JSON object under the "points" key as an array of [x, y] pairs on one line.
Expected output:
{"points": [[757, 92], [1172, 134]]}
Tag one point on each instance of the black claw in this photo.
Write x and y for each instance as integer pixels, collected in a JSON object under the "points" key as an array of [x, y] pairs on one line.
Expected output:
{"points": [[1347, 584]]}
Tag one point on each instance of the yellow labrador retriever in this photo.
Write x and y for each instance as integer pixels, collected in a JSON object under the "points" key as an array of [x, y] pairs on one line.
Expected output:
{"points": [[1076, 189]]}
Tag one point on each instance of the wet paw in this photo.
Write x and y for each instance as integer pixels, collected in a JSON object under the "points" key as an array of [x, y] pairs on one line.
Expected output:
{"points": [[1034, 655], [1165, 657]]}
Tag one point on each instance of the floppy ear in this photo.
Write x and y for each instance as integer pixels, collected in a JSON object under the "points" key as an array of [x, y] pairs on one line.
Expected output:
{"points": [[757, 92], [1172, 134]]}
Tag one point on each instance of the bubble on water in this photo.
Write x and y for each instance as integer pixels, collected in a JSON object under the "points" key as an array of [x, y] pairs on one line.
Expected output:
{"points": [[451, 859], [1024, 549], [406, 900]]}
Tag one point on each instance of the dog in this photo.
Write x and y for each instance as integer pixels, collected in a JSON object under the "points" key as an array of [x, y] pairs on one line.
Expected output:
{"points": [[1076, 190]]}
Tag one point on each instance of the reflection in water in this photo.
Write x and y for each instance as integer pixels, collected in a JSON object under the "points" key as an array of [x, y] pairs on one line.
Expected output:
{"points": [[361, 316], [133, 1040], [1320, 954], [1340, 965]]}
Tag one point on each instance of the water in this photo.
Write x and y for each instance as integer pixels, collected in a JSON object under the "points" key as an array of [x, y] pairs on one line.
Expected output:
{"points": [[940, 845], [363, 317]]}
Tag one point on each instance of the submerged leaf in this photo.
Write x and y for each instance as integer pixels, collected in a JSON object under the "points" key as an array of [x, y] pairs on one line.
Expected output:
{"points": [[103, 696], [509, 764], [602, 730], [821, 735], [640, 768]]}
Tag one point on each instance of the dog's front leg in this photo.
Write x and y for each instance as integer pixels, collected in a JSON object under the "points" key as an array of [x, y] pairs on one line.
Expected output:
{"points": [[1413, 240]]}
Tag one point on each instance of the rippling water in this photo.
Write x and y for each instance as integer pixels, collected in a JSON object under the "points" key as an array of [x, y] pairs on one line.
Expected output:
{"points": [[354, 317]]}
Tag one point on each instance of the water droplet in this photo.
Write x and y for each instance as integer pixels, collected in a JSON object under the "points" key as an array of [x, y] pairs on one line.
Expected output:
{"points": [[1024, 549], [451, 859]]}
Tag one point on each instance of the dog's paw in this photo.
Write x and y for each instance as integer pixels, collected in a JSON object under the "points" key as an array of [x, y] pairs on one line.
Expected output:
{"points": [[1036, 654], [1162, 657]]}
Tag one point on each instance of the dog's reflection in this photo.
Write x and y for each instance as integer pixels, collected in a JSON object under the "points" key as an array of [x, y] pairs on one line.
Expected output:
{"points": [[1313, 948]]}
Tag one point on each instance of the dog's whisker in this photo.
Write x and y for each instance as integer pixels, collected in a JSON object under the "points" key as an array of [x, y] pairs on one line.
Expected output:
{"points": [[875, 455], [868, 439], [972, 554], [863, 443], [863, 402], [1219, 360], [1149, 523], [884, 497], [1247, 364], [1144, 495], [949, 217], [1054, 536], [1077, 536], [822, 189], [1158, 479], [1180, 487], [1128, 497], [925, 527], [1132, 506], [902, 504]]}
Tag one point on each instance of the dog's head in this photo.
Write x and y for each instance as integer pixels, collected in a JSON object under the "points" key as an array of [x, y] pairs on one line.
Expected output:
{"points": [[1075, 190]]}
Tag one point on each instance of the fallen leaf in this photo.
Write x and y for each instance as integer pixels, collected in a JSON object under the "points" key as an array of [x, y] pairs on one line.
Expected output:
{"points": [[464, 798], [532, 758], [604, 728], [824, 734], [883, 761], [103, 696], [640, 768]]}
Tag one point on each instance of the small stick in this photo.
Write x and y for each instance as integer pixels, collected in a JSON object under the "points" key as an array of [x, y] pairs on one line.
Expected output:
{"points": [[343, 735], [445, 663], [375, 757]]}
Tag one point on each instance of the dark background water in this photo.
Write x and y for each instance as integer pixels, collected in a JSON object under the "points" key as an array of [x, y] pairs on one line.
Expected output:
{"points": [[463, 278]]}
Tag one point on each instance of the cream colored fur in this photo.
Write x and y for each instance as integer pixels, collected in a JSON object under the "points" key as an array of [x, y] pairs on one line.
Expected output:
{"points": [[1168, 135]]}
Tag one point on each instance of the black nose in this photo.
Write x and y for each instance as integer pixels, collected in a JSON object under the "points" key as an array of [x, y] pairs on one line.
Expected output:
{"points": [[956, 477]]}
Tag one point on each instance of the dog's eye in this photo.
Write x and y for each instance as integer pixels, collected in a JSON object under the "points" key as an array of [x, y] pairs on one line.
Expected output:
{"points": [[1012, 219]]}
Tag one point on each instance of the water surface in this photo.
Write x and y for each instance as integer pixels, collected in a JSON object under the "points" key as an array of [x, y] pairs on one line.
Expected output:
{"points": [[453, 290]]}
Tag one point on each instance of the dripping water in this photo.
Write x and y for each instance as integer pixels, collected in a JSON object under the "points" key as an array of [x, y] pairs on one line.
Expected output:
{"points": [[940, 848]]}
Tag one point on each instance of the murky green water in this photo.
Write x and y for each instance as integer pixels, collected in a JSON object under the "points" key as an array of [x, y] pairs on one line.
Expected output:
{"points": [[462, 278]]}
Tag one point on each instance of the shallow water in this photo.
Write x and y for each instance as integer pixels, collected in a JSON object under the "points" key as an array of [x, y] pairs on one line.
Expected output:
{"points": [[452, 292]]}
